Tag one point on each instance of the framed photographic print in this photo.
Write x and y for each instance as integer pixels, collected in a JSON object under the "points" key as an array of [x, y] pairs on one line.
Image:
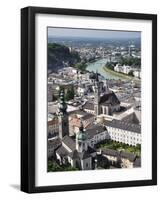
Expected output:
{"points": [[88, 99]]}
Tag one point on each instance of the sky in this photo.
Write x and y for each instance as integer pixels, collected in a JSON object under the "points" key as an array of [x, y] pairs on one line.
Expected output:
{"points": [[69, 32]]}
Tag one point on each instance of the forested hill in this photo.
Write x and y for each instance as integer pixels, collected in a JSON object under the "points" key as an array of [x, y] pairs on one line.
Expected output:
{"points": [[59, 56]]}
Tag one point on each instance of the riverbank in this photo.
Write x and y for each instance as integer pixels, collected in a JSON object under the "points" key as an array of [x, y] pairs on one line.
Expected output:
{"points": [[122, 76], [98, 66]]}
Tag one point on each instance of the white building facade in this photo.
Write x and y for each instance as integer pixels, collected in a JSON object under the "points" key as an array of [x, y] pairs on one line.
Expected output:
{"points": [[124, 132]]}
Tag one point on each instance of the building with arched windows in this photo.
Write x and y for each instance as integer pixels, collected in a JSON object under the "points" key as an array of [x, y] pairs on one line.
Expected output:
{"points": [[77, 153], [104, 103]]}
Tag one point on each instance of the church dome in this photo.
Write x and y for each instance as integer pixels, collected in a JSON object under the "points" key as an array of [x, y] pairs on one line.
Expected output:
{"points": [[62, 103], [82, 136]]}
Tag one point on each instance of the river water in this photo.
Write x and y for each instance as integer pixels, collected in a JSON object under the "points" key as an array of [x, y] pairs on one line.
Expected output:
{"points": [[98, 66]]}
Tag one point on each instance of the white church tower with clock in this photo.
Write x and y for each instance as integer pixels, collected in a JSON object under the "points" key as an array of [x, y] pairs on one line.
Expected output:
{"points": [[81, 139]]}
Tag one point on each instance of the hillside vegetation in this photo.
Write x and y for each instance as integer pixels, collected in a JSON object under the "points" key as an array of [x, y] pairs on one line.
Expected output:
{"points": [[59, 56]]}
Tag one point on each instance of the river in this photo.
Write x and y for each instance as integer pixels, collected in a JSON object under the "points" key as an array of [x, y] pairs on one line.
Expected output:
{"points": [[98, 66]]}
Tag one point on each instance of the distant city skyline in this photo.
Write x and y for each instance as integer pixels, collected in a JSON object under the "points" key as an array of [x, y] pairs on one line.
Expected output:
{"points": [[92, 33]]}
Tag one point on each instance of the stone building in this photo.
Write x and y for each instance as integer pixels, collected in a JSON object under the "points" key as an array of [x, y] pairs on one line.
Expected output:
{"points": [[120, 131], [75, 121], [121, 159], [77, 153], [104, 103], [53, 127]]}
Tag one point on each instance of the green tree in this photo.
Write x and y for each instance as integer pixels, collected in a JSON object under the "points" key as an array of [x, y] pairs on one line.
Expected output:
{"points": [[109, 65], [54, 98], [70, 94], [131, 61], [131, 73], [70, 168], [81, 66], [138, 147], [75, 55], [53, 166], [61, 88]]}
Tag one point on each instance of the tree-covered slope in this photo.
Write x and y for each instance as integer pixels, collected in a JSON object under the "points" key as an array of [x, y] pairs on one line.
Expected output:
{"points": [[59, 56]]}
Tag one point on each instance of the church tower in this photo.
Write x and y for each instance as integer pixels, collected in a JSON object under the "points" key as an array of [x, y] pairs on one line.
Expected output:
{"points": [[107, 87], [97, 96], [63, 117], [81, 139]]}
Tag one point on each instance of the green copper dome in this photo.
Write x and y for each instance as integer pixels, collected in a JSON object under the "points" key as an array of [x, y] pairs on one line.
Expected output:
{"points": [[62, 103], [82, 136]]}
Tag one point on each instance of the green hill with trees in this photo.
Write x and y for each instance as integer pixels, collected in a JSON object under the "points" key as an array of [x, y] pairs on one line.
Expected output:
{"points": [[60, 56]]}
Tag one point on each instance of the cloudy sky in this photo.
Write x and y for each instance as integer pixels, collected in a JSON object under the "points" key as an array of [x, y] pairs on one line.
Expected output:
{"points": [[69, 32]]}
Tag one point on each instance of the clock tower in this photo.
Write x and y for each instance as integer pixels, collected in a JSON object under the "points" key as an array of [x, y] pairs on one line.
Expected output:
{"points": [[97, 96], [81, 139], [63, 116]]}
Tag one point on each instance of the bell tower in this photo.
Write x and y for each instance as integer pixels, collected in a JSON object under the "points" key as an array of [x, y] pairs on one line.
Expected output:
{"points": [[107, 87], [97, 96], [81, 139], [63, 116]]}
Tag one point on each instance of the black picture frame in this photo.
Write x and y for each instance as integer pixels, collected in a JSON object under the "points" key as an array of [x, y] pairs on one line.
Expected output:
{"points": [[28, 98]]}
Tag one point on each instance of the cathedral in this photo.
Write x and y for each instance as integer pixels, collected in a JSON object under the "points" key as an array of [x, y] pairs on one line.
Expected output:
{"points": [[104, 102]]}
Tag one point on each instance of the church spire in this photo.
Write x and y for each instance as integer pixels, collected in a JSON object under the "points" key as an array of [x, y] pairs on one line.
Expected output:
{"points": [[97, 95], [62, 103], [81, 139], [97, 76], [81, 128], [107, 87], [63, 116]]}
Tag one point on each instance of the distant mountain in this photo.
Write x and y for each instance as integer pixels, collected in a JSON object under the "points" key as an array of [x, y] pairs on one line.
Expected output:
{"points": [[60, 56]]}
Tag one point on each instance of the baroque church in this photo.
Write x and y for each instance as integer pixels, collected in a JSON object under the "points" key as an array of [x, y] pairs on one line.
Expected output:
{"points": [[104, 102], [76, 152], [79, 151]]}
